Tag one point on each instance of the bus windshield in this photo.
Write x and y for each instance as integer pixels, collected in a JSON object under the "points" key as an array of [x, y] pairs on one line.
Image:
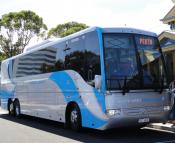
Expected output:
{"points": [[133, 62]]}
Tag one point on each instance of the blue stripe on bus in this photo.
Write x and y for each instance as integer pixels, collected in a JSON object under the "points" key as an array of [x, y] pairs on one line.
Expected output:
{"points": [[69, 89], [100, 99], [149, 100], [99, 31], [5, 94]]}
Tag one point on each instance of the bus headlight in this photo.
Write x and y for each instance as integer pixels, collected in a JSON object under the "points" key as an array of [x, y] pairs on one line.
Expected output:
{"points": [[166, 108], [113, 112]]}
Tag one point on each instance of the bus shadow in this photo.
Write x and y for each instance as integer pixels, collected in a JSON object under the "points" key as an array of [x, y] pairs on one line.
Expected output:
{"points": [[86, 135]]}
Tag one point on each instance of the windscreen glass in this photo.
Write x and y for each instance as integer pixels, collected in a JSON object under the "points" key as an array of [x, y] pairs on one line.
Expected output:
{"points": [[133, 61]]}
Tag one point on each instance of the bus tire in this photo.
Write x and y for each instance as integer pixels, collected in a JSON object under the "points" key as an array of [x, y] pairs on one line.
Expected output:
{"points": [[17, 109], [10, 108], [75, 118]]}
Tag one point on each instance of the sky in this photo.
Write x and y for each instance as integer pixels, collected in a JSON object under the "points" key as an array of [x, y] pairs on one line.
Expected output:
{"points": [[141, 14]]}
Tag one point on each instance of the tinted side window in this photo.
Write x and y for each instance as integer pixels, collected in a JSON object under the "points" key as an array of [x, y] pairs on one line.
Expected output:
{"points": [[92, 56], [60, 57], [48, 59], [38, 62], [74, 55], [81, 54]]}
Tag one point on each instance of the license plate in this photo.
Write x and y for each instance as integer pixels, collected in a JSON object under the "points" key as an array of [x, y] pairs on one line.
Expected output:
{"points": [[144, 120]]}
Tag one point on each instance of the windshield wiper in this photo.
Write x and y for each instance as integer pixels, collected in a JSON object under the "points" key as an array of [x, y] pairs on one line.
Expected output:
{"points": [[125, 88]]}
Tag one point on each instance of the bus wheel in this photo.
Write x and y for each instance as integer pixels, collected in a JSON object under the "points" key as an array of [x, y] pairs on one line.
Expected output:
{"points": [[10, 107], [17, 109], [75, 118]]}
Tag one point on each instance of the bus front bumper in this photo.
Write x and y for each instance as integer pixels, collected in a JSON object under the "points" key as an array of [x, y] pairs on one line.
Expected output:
{"points": [[134, 121]]}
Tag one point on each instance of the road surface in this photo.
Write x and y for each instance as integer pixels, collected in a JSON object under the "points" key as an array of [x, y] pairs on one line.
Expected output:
{"points": [[34, 130]]}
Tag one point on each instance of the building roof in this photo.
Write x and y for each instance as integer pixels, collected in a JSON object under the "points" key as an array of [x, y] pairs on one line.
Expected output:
{"points": [[167, 34], [170, 35], [169, 17]]}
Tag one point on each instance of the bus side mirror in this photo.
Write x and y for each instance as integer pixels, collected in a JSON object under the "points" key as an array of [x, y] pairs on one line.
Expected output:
{"points": [[97, 81]]}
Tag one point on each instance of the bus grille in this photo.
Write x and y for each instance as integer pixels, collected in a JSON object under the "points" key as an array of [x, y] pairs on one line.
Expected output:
{"points": [[142, 111]]}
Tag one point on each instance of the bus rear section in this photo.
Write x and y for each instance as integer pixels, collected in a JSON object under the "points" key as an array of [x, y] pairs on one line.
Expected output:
{"points": [[7, 86]]}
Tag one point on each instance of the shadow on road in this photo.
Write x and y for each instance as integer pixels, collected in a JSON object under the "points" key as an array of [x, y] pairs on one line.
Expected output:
{"points": [[89, 135]]}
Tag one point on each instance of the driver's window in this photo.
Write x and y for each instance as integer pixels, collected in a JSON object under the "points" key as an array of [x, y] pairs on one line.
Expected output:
{"points": [[120, 59]]}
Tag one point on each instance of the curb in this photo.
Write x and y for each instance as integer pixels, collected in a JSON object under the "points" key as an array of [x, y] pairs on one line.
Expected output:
{"points": [[160, 126]]}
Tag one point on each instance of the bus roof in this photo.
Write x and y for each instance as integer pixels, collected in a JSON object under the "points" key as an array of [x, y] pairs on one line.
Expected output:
{"points": [[128, 30], [103, 30]]}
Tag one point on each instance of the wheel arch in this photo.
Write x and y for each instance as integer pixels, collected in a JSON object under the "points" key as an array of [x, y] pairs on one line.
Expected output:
{"points": [[16, 100], [69, 106]]}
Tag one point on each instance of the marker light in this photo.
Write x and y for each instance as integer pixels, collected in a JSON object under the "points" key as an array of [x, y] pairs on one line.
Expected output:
{"points": [[113, 112], [166, 108]]}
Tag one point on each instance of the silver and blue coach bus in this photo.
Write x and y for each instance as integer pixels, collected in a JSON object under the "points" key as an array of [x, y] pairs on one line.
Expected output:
{"points": [[98, 78]]}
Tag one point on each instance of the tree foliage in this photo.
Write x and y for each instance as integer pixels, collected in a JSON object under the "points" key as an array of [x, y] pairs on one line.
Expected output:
{"points": [[62, 30], [17, 29]]}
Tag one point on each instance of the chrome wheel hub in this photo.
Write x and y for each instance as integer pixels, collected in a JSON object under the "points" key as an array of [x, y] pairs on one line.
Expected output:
{"points": [[74, 116], [17, 111], [11, 107]]}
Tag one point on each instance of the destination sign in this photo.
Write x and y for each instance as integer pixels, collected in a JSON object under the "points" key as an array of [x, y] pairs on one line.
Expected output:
{"points": [[145, 41]]}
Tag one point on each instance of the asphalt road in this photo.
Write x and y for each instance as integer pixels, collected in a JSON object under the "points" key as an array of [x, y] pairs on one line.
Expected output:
{"points": [[34, 130]]}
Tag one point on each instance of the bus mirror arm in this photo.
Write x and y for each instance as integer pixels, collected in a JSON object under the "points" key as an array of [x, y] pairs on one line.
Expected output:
{"points": [[97, 81]]}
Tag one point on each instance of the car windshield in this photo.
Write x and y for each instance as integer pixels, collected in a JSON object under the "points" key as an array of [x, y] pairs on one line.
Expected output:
{"points": [[134, 61]]}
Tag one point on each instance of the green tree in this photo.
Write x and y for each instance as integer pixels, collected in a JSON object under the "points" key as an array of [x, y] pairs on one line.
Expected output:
{"points": [[17, 29], [62, 30], [2, 56]]}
